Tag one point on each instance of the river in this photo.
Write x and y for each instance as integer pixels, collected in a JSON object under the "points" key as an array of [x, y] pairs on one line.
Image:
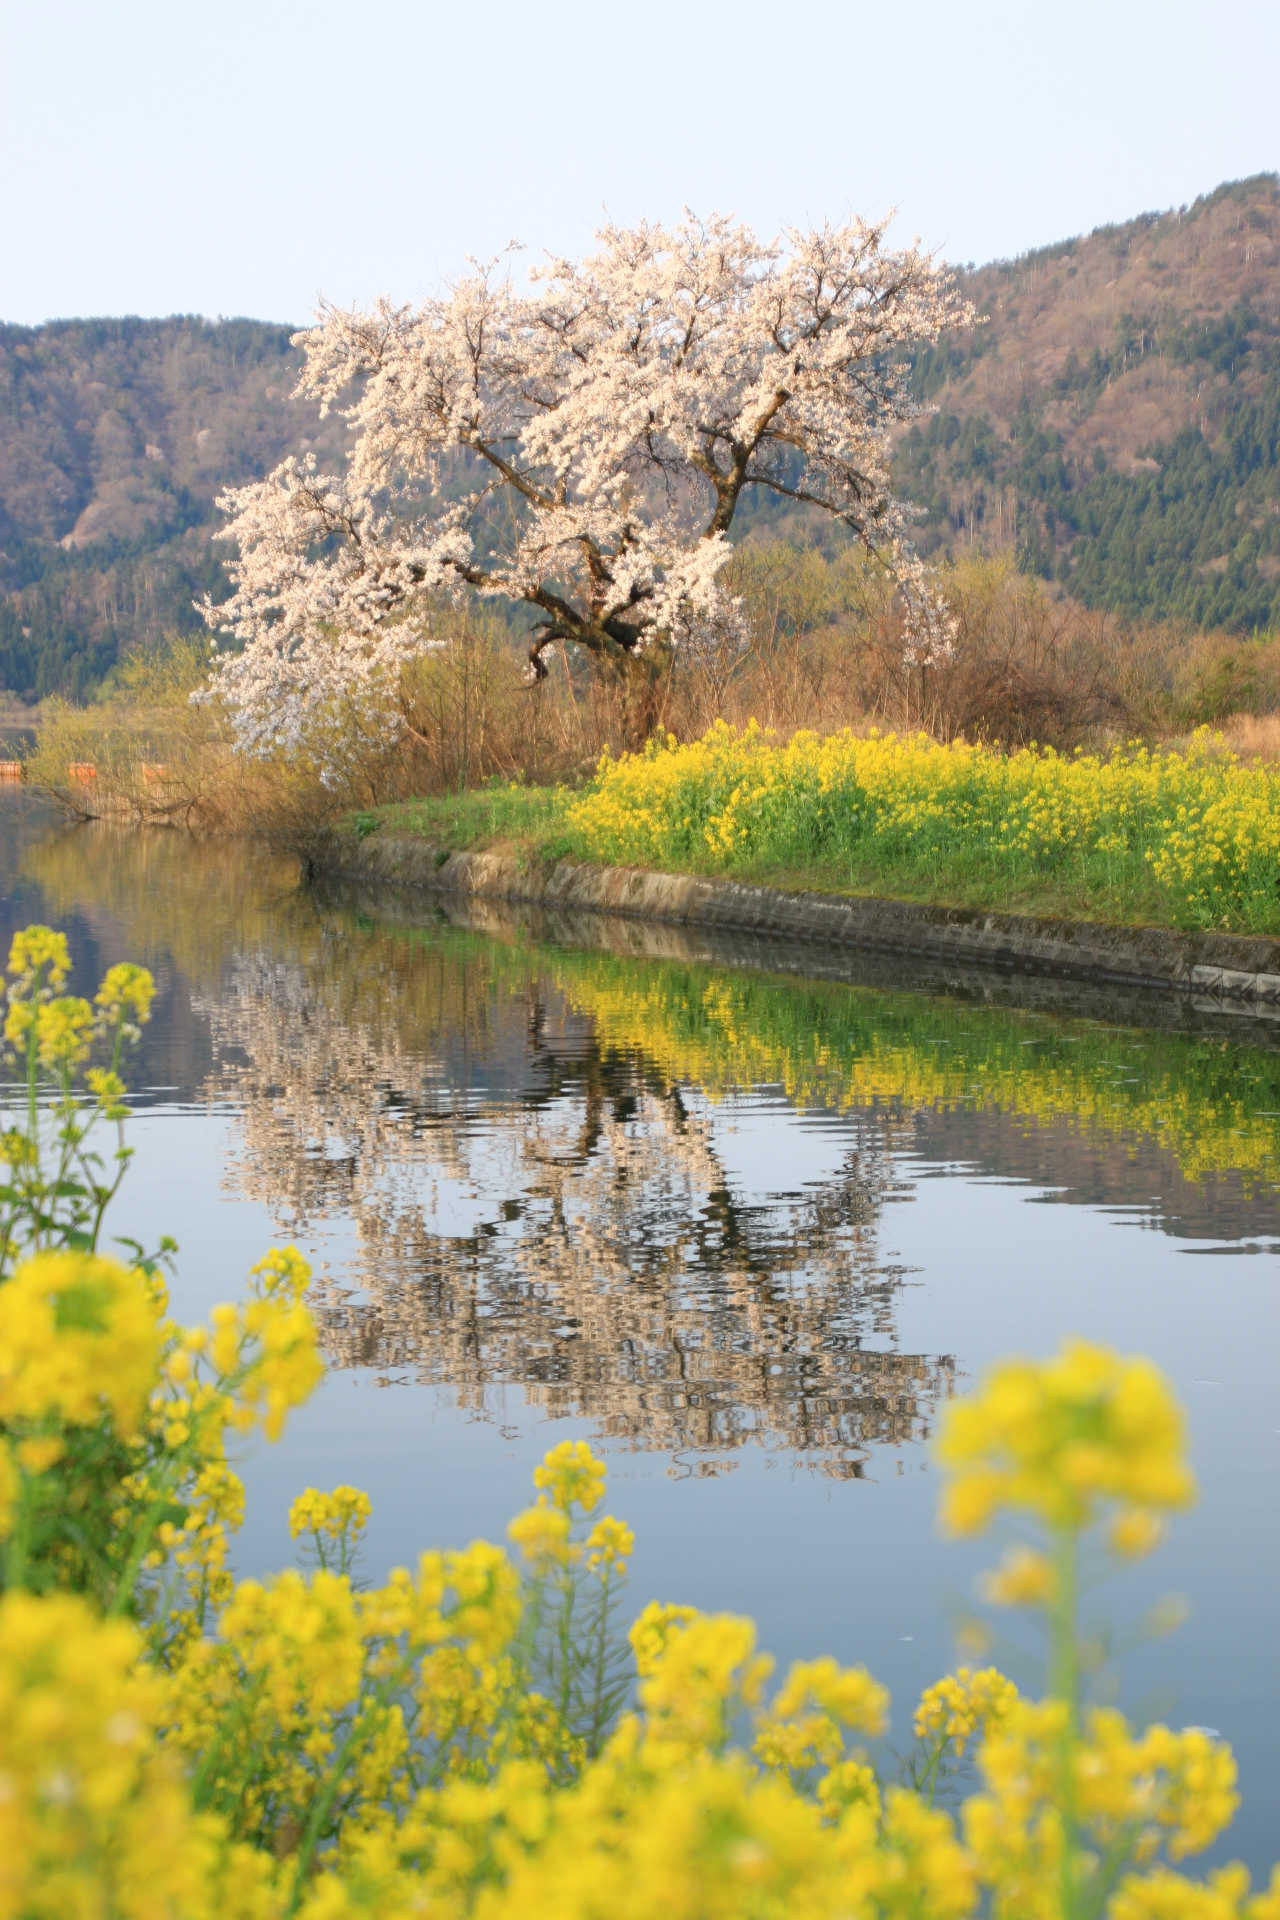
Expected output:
{"points": [[742, 1217]]}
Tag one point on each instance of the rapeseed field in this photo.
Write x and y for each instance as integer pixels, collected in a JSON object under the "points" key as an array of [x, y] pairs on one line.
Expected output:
{"points": [[1187, 837]]}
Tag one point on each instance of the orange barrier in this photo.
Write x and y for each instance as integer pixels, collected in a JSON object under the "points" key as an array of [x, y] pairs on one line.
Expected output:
{"points": [[155, 771], [82, 770], [10, 769]]}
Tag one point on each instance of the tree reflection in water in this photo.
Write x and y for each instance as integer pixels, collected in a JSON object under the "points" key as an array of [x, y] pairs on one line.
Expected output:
{"points": [[536, 1208], [524, 1136]]}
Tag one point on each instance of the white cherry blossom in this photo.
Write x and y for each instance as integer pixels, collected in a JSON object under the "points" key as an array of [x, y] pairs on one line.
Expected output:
{"points": [[581, 447]]}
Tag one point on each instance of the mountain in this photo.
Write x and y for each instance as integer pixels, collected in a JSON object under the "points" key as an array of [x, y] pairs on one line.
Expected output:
{"points": [[1115, 421], [1117, 417], [115, 438]]}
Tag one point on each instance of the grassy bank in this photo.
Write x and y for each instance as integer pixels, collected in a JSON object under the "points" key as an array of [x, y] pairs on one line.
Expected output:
{"points": [[1186, 838]]}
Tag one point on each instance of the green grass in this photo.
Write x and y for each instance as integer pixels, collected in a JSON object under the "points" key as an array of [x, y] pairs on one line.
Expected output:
{"points": [[527, 817], [530, 822]]}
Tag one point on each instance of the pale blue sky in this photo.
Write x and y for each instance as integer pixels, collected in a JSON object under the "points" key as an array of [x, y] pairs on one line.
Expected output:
{"points": [[233, 158]]}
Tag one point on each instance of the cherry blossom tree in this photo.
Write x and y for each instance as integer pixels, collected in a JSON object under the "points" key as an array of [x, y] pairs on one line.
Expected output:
{"points": [[582, 446]]}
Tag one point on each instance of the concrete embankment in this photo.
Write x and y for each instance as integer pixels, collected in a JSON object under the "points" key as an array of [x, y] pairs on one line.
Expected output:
{"points": [[1220, 967]]}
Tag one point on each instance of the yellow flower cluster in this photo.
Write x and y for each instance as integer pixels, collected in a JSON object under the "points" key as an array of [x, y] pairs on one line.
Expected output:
{"points": [[1205, 828], [78, 1338], [252, 1365], [1061, 1438], [315, 1691], [63, 1026], [333, 1522], [708, 1672], [343, 1512], [571, 1476], [1168, 1896], [38, 953], [276, 1325], [54, 1194], [962, 1704], [126, 989], [653, 1629], [95, 1816], [92, 1371], [1175, 1790], [610, 1544], [1024, 1578], [542, 1534], [570, 1481], [377, 1752], [299, 1640], [803, 1728]]}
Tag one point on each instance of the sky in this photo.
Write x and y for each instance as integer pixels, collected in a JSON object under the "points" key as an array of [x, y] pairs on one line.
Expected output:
{"points": [[247, 159]]}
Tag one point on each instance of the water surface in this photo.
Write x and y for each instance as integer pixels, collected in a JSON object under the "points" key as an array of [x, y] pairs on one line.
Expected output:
{"points": [[738, 1218]]}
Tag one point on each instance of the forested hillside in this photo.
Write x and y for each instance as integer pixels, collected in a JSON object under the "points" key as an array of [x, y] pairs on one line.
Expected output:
{"points": [[1115, 423], [1117, 419], [115, 437]]}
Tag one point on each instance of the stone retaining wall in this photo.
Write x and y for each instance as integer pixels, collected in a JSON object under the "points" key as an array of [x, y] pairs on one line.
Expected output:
{"points": [[1223, 967]]}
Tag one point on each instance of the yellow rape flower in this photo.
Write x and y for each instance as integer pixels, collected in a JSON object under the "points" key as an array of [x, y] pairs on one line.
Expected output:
{"points": [[708, 1668], [78, 1336], [849, 1783], [652, 1630], [471, 1595], [372, 1885], [300, 1639], [345, 1511], [64, 1030], [1161, 1789], [1024, 1578], [542, 1535], [282, 1271], [1205, 829], [797, 1743], [572, 1476], [268, 1347], [962, 1704], [95, 1818], [610, 1545], [1163, 1895], [126, 989], [109, 1090], [37, 948], [848, 1694], [1134, 1532], [710, 1838], [1059, 1438], [457, 1695]]}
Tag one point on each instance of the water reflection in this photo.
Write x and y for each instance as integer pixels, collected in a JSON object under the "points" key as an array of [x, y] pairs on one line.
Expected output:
{"points": [[538, 1204], [527, 1136], [692, 1193]]}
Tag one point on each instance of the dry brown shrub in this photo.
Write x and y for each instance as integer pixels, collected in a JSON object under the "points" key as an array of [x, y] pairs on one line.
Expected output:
{"points": [[148, 756], [1253, 736], [1029, 666], [1215, 675], [828, 649], [144, 754], [824, 649]]}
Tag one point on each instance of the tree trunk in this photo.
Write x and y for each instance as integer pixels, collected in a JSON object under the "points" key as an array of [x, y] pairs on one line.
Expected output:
{"points": [[641, 684]]}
